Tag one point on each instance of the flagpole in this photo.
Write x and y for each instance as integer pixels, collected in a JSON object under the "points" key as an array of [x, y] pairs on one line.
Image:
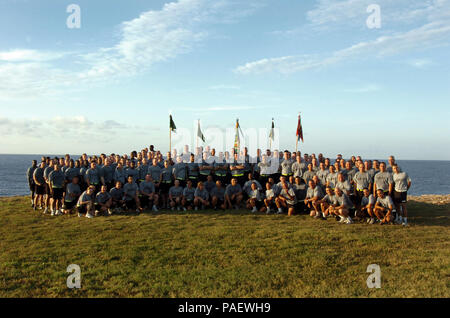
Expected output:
{"points": [[170, 140], [198, 123]]}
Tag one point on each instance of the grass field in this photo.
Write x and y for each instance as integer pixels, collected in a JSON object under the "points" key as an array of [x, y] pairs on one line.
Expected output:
{"points": [[221, 254]]}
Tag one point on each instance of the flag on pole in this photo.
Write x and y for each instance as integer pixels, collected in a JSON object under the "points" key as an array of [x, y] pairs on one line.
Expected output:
{"points": [[199, 132], [299, 129], [237, 142], [172, 125], [272, 132]]}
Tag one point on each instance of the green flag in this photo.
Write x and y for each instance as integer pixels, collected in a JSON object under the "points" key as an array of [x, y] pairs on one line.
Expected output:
{"points": [[172, 125], [199, 132]]}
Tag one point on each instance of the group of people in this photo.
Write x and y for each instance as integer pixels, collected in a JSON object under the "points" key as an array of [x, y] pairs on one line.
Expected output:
{"points": [[270, 182]]}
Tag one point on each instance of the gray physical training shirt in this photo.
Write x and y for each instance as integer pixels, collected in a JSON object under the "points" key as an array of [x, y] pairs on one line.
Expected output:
{"points": [[57, 178], [180, 171], [116, 194], [386, 202], [84, 197], [39, 175], [72, 192], [189, 193], [218, 192], [308, 175], [344, 186], [176, 192], [312, 193], [230, 190], [368, 200], [93, 176], [401, 180], [343, 200], [147, 187], [155, 172], [202, 193], [382, 180], [286, 167], [284, 194], [102, 197], [362, 180], [130, 190]]}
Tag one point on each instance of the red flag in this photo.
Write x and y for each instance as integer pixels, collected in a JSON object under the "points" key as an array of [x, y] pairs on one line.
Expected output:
{"points": [[299, 129]]}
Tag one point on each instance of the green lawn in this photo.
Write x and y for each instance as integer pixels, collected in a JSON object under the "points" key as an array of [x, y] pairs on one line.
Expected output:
{"points": [[221, 254]]}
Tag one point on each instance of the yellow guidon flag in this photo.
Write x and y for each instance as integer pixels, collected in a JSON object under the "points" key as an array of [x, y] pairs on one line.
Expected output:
{"points": [[237, 141]]}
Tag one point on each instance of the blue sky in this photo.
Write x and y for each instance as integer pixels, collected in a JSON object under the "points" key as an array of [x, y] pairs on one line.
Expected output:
{"points": [[110, 85]]}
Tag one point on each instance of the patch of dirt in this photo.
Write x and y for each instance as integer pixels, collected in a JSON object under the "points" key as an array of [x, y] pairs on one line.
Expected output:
{"points": [[432, 198]]}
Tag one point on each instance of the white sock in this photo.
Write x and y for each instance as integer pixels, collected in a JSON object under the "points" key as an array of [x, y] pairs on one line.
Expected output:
{"points": [[279, 210], [349, 218], [405, 220]]}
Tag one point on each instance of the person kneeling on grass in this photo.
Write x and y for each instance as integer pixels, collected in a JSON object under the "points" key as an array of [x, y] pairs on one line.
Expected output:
{"points": [[218, 196], [117, 197], [131, 198], [255, 198], [367, 204], [148, 193], [71, 195], [313, 195], [327, 202], [103, 202], [85, 204], [201, 197], [188, 196], [269, 201], [175, 196], [233, 195], [383, 207], [286, 199], [343, 206]]}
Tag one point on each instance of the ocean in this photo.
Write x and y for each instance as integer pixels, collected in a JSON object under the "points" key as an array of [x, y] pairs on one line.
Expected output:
{"points": [[428, 177]]}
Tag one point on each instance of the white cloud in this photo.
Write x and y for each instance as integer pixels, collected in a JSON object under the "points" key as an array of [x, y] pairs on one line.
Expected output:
{"points": [[430, 35], [153, 37], [29, 56], [329, 14]]}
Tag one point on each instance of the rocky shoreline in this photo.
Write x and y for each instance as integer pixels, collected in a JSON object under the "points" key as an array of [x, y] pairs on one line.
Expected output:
{"points": [[431, 198]]}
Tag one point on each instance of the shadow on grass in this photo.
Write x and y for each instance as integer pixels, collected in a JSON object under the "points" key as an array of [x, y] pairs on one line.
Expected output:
{"points": [[422, 213]]}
